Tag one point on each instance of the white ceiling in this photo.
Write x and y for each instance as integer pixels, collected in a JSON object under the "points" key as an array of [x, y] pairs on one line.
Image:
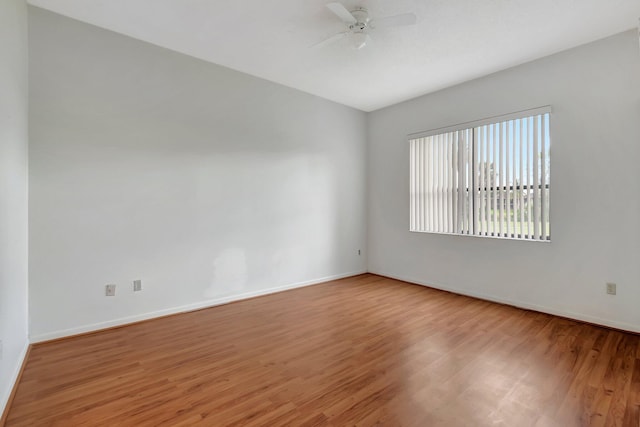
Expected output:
{"points": [[454, 40]]}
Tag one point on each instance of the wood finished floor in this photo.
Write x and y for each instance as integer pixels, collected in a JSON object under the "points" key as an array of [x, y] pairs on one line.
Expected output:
{"points": [[361, 351]]}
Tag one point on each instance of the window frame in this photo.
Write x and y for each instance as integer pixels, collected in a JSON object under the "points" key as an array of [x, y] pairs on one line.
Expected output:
{"points": [[473, 125]]}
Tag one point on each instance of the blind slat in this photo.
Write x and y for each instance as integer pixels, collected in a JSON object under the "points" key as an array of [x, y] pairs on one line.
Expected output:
{"points": [[536, 180], [412, 186], [527, 183], [452, 183], [424, 160], [419, 184], [439, 181], [494, 183], [487, 179], [460, 185], [481, 168], [521, 191], [446, 206], [471, 182], [429, 186], [508, 180], [443, 183], [475, 156], [455, 162], [543, 159], [500, 179]]}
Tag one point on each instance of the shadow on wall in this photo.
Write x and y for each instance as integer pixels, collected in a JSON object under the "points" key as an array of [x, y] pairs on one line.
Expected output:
{"points": [[268, 218], [229, 273]]}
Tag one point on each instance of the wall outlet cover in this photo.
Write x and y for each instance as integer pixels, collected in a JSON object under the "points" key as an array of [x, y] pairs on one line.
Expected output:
{"points": [[110, 290], [611, 288], [137, 285]]}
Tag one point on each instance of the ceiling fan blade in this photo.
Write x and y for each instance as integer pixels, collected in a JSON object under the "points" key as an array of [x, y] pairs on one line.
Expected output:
{"points": [[341, 12], [330, 40], [367, 42], [395, 20]]}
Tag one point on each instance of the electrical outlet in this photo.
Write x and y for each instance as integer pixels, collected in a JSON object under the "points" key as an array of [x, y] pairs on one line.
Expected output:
{"points": [[611, 288], [137, 285], [110, 290], [358, 251]]}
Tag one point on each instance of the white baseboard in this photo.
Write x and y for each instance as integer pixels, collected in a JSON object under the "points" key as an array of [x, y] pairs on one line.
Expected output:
{"points": [[182, 309], [520, 304], [227, 299], [4, 398]]}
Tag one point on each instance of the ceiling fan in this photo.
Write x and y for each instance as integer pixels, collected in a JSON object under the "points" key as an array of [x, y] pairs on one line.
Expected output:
{"points": [[359, 24]]}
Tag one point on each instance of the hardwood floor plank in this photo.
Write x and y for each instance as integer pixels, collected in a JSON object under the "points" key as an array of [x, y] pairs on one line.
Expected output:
{"points": [[362, 351], [632, 410]]}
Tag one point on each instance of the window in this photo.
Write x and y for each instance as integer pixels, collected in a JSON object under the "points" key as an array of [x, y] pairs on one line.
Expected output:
{"points": [[486, 178]]}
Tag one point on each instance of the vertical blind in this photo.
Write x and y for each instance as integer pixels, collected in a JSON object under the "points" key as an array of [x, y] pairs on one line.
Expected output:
{"points": [[491, 179]]}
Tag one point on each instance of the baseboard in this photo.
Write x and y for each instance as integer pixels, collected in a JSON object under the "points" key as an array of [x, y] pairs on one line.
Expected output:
{"points": [[627, 327], [95, 327], [6, 402]]}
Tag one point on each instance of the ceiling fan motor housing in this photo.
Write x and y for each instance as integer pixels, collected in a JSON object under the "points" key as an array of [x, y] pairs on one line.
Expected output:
{"points": [[362, 20]]}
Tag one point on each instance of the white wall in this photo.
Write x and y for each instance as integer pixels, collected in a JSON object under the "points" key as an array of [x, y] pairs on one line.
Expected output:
{"points": [[595, 203], [205, 183], [13, 192]]}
